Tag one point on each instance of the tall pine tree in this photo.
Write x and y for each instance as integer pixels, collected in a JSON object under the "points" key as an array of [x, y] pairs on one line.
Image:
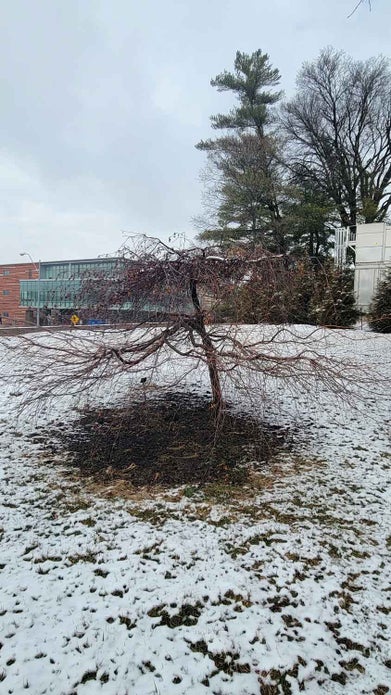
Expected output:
{"points": [[245, 170]]}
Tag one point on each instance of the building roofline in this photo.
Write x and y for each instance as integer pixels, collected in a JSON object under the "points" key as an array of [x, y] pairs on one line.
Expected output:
{"points": [[68, 260], [82, 260]]}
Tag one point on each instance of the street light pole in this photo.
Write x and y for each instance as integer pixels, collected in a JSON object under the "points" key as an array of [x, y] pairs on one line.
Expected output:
{"points": [[38, 269]]}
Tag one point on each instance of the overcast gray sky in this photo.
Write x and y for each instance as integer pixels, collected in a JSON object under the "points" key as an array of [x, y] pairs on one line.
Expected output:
{"points": [[102, 102]]}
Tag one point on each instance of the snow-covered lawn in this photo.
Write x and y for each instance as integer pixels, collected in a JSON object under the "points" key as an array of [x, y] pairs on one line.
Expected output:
{"points": [[280, 587]]}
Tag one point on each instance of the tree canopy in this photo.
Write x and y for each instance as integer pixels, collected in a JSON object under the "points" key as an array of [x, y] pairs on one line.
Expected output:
{"points": [[286, 176], [189, 287], [339, 129], [252, 74], [244, 165]]}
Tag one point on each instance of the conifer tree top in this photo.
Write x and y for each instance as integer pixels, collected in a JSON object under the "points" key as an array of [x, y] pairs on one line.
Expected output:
{"points": [[252, 73]]}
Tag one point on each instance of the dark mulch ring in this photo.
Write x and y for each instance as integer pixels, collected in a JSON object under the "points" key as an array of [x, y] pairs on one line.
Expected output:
{"points": [[171, 440]]}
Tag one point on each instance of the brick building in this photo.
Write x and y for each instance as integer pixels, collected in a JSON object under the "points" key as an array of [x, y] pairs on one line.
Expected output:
{"points": [[46, 292], [50, 292], [11, 274]]}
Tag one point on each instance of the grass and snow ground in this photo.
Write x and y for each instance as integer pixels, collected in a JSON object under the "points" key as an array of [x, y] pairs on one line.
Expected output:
{"points": [[281, 586]]}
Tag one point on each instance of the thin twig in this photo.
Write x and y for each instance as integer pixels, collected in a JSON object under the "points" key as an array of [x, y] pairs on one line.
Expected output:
{"points": [[361, 2]]}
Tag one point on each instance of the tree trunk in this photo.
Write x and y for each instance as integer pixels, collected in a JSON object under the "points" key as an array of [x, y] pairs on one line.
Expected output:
{"points": [[209, 349]]}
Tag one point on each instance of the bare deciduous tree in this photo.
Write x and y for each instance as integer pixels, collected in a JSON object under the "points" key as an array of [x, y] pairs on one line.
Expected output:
{"points": [[339, 125], [185, 288]]}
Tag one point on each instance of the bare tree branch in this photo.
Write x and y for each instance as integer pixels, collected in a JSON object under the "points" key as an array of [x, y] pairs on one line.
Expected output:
{"points": [[361, 2], [187, 287]]}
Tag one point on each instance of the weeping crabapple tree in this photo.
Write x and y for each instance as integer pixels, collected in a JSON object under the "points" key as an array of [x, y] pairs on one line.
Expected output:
{"points": [[170, 298]]}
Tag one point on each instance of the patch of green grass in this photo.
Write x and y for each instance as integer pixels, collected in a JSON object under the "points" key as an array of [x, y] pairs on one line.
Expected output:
{"points": [[148, 666], [125, 620], [351, 645], [146, 552], [40, 570], [82, 557], [230, 597], [99, 572], [222, 522], [47, 558], [278, 602], [88, 676], [30, 548], [88, 521], [277, 681], [155, 517], [267, 539], [360, 554], [228, 662], [188, 615], [190, 491], [381, 690], [220, 492], [352, 665]]}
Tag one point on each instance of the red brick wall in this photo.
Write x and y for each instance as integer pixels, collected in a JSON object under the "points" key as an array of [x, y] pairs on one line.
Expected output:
{"points": [[10, 275]]}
